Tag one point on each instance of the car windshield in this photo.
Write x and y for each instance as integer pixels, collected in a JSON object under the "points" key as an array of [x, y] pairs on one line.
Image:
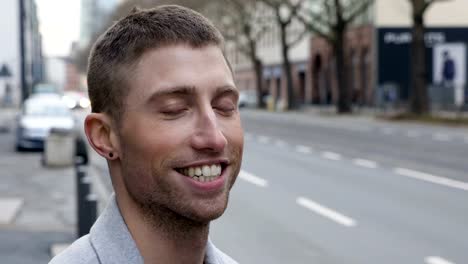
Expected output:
{"points": [[44, 88], [46, 110]]}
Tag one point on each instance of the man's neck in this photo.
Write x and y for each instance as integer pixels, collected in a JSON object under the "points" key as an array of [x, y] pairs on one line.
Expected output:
{"points": [[166, 238]]}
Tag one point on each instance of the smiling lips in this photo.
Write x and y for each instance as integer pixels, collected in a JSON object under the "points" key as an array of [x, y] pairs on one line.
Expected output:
{"points": [[205, 173]]}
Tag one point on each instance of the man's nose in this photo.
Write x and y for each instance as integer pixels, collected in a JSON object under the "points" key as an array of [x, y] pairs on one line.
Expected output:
{"points": [[208, 135]]}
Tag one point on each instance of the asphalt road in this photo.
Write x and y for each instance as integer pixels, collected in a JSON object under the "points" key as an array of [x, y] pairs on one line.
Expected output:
{"points": [[37, 204], [345, 190]]}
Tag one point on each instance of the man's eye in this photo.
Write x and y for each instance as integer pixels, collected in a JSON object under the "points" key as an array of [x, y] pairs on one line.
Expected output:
{"points": [[174, 112], [226, 109]]}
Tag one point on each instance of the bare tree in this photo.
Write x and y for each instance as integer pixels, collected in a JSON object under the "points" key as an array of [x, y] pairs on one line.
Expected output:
{"points": [[419, 101], [244, 26], [122, 10], [330, 20], [285, 13]]}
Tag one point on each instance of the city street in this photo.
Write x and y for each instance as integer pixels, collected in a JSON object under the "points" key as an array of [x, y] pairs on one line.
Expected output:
{"points": [[344, 190], [37, 204], [356, 154], [313, 189]]}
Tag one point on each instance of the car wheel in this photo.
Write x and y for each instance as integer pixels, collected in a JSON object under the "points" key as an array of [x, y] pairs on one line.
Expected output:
{"points": [[19, 148]]}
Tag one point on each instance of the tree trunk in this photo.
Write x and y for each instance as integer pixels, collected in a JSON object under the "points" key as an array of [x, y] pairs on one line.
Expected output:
{"points": [[258, 71], [343, 104], [418, 95], [287, 70], [258, 66]]}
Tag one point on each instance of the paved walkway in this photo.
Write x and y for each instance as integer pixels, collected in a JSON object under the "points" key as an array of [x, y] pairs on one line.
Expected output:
{"points": [[37, 205]]}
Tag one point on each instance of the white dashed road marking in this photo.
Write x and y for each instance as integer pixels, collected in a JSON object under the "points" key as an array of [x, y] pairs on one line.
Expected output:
{"points": [[441, 137], [437, 260], [331, 155], [365, 163], [303, 149], [326, 212], [253, 179], [413, 134], [264, 139], [280, 143], [388, 130], [432, 178], [9, 208]]}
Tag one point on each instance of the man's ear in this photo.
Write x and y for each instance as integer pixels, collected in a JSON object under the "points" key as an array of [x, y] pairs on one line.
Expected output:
{"points": [[101, 135]]}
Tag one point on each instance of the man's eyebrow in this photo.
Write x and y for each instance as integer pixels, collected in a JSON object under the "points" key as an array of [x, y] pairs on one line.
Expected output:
{"points": [[227, 89], [184, 90], [175, 90]]}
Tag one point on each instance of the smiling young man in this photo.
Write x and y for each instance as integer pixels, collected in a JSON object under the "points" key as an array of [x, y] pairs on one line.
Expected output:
{"points": [[165, 116]]}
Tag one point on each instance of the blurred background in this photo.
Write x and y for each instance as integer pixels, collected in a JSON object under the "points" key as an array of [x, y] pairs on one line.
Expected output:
{"points": [[355, 115]]}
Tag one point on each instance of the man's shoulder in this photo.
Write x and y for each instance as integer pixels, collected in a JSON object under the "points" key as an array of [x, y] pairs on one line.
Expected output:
{"points": [[215, 256], [225, 258], [81, 251]]}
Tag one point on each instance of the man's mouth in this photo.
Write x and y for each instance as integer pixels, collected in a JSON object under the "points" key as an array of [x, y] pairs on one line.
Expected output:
{"points": [[204, 173]]}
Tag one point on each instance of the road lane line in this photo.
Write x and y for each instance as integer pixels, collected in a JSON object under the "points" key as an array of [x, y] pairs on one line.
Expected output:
{"points": [[303, 149], [331, 155], [280, 143], [432, 178], [388, 130], [326, 212], [437, 260], [9, 208], [365, 163], [441, 137], [253, 179], [264, 139], [413, 134]]}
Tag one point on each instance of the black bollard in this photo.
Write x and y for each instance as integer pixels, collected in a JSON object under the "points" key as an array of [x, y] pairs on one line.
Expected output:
{"points": [[91, 212], [84, 189], [81, 151]]}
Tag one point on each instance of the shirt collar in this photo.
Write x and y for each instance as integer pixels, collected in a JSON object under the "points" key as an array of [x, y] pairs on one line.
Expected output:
{"points": [[113, 242]]}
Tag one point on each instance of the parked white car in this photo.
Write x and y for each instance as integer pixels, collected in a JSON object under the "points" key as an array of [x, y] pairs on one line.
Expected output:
{"points": [[38, 115], [76, 100]]}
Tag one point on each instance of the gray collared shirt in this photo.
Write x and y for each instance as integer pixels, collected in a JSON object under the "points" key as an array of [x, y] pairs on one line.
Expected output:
{"points": [[109, 241]]}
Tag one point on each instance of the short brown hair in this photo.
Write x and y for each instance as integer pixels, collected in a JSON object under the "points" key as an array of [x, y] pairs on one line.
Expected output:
{"points": [[117, 51]]}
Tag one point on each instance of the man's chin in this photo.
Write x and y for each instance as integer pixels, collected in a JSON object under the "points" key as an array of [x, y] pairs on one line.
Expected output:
{"points": [[206, 215], [206, 218]]}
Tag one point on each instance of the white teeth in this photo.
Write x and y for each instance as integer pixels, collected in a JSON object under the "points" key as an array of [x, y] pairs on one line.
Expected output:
{"points": [[206, 170], [214, 170], [205, 173]]}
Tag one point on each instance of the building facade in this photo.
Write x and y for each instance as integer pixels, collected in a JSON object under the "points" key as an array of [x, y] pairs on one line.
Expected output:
{"points": [[446, 25], [94, 15], [373, 58], [21, 52]]}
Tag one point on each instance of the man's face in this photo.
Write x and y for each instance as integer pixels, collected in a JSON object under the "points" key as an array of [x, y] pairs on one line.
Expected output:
{"points": [[181, 120]]}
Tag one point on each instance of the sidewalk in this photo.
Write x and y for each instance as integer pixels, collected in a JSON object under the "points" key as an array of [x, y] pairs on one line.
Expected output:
{"points": [[7, 116], [37, 205], [363, 116], [370, 111]]}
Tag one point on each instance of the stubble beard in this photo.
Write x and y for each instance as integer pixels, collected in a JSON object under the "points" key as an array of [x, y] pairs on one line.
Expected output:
{"points": [[164, 208]]}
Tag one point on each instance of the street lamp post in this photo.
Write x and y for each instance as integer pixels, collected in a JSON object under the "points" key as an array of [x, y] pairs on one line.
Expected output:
{"points": [[5, 73]]}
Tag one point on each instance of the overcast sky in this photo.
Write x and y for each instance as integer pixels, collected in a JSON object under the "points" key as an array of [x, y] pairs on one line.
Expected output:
{"points": [[59, 24]]}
